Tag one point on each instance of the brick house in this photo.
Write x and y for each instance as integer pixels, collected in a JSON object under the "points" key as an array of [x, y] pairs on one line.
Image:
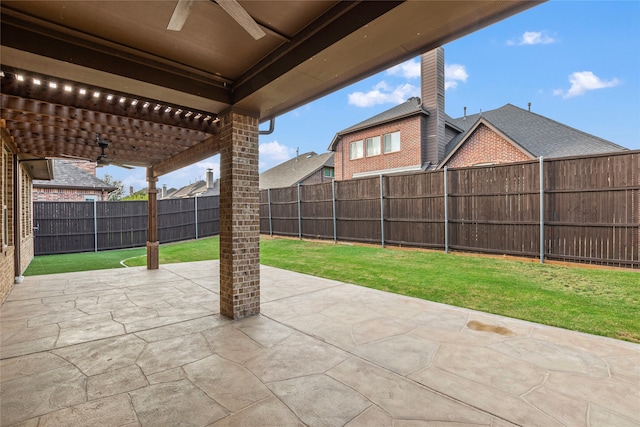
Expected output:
{"points": [[307, 168], [16, 219], [417, 135], [75, 181]]}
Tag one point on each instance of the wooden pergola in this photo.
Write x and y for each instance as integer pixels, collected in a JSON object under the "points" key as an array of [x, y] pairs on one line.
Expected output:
{"points": [[167, 98]]}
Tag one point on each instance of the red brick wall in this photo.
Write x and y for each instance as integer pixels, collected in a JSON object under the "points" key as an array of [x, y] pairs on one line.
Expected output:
{"points": [[409, 154], [6, 272], [66, 195], [485, 146]]}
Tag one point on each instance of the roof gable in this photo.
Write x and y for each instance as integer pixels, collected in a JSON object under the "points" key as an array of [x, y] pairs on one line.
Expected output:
{"points": [[456, 143], [410, 107]]}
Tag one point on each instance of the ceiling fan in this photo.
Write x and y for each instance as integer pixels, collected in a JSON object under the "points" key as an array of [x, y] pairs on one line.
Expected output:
{"points": [[232, 7], [103, 159]]}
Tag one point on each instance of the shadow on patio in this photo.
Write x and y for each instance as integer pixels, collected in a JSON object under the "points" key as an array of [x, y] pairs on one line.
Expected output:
{"points": [[147, 347]]}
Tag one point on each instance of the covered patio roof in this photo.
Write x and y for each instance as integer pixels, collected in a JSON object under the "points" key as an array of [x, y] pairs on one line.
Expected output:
{"points": [[75, 69]]}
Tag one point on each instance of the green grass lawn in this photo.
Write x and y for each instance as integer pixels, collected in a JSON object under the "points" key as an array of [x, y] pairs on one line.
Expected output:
{"points": [[598, 301]]}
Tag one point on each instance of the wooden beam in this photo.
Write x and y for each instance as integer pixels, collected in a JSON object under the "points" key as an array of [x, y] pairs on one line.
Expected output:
{"points": [[207, 148]]}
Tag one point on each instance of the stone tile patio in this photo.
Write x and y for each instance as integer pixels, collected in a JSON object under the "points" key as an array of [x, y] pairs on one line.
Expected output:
{"points": [[135, 347]]}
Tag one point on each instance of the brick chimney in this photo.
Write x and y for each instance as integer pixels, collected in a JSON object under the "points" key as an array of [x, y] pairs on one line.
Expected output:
{"points": [[432, 91]]}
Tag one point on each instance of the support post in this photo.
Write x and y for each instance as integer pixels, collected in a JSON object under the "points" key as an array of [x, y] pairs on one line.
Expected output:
{"points": [[17, 219], [299, 217], [541, 210], [153, 262], [95, 225], [195, 210], [333, 197], [446, 210], [382, 210], [239, 216]]}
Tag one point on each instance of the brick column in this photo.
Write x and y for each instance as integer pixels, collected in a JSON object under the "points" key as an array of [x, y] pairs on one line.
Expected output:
{"points": [[239, 216], [153, 262]]}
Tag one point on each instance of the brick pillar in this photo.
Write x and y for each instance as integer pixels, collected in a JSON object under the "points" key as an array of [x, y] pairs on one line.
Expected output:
{"points": [[239, 216], [152, 225]]}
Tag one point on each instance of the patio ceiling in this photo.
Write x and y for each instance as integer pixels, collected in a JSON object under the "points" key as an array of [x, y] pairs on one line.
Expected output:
{"points": [[156, 94]]}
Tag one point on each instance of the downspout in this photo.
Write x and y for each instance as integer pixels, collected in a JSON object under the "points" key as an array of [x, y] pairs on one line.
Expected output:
{"points": [[272, 126], [17, 243]]}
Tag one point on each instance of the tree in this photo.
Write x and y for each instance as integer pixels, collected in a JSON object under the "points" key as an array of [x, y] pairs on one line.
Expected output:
{"points": [[119, 191]]}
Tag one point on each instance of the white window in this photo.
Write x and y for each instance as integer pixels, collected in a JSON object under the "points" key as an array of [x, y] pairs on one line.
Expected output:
{"points": [[90, 198], [355, 150], [392, 142], [373, 146]]}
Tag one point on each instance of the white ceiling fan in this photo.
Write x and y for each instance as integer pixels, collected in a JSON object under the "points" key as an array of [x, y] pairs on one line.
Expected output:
{"points": [[232, 7]]}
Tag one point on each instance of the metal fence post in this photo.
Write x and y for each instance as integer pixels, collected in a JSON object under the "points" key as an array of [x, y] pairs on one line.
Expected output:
{"points": [[381, 211], [541, 210], [299, 215], [95, 226], [196, 214], [333, 197], [446, 210], [269, 204]]}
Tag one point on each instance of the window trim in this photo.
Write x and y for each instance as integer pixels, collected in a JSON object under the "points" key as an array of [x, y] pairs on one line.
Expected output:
{"points": [[366, 147], [355, 143], [384, 144]]}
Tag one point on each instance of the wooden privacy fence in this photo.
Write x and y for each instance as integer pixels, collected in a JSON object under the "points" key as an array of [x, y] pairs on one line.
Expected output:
{"points": [[589, 209], [67, 227], [589, 212]]}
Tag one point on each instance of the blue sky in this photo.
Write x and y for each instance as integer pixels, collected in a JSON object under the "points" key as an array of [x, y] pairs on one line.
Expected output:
{"points": [[577, 62]]}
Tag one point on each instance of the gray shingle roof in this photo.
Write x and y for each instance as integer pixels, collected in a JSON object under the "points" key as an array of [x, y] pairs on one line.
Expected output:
{"points": [[66, 175], [293, 171], [537, 134], [198, 188]]}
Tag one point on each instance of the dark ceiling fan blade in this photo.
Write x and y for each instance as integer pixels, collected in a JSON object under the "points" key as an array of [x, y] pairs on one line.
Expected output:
{"points": [[240, 15], [180, 14]]}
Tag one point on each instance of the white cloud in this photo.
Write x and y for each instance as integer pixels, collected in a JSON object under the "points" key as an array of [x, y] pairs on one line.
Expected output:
{"points": [[273, 153], [454, 73], [409, 69], [532, 38], [583, 81], [383, 93], [209, 164]]}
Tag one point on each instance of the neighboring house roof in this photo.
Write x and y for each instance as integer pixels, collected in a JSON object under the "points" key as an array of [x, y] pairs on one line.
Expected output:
{"points": [[295, 170], [198, 188], [69, 176], [410, 107], [189, 190], [532, 133]]}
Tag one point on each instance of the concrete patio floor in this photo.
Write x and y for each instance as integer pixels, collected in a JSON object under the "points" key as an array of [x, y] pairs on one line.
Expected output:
{"points": [[132, 347]]}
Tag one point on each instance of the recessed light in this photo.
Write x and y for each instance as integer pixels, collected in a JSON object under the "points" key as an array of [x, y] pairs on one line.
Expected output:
{"points": [[82, 91], [37, 82], [68, 88], [53, 85], [20, 77]]}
